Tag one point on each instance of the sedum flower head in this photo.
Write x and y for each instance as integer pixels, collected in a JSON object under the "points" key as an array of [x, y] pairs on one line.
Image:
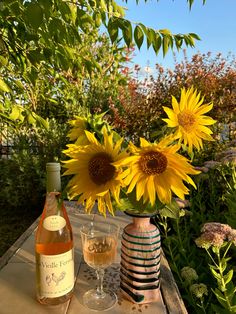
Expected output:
{"points": [[215, 234], [232, 236], [199, 290], [189, 274], [216, 227], [208, 239]]}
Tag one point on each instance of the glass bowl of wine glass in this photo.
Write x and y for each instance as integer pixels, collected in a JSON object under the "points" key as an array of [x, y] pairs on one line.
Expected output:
{"points": [[99, 244]]}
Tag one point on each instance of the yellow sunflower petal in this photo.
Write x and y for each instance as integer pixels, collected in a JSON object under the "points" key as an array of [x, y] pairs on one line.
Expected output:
{"points": [[92, 139], [140, 188], [133, 182], [170, 113], [163, 192], [204, 109], [143, 142], [175, 105], [151, 190], [170, 123]]}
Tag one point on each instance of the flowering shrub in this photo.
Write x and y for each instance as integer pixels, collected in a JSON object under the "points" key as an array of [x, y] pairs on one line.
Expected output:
{"points": [[214, 76]]}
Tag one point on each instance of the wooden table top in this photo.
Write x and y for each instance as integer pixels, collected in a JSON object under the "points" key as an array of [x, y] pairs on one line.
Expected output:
{"points": [[17, 277]]}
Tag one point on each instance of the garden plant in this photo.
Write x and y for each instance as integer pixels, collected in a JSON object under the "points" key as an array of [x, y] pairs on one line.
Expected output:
{"points": [[55, 65]]}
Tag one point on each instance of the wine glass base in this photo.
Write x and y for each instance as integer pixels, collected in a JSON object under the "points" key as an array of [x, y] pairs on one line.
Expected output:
{"points": [[99, 303]]}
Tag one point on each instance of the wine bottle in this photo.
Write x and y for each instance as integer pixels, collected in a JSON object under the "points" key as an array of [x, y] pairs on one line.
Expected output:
{"points": [[54, 245]]}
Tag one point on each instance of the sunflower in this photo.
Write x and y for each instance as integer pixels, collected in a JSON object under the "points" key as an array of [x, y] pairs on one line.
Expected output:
{"points": [[188, 118], [77, 132], [95, 178], [156, 169]]}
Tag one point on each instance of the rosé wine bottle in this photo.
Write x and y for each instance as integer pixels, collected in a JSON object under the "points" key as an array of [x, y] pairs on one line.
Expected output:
{"points": [[54, 246]]}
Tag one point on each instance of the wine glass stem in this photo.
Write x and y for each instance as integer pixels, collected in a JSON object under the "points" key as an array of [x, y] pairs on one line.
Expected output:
{"points": [[100, 276]]}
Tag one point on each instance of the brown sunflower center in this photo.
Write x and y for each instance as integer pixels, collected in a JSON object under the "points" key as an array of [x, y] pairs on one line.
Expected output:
{"points": [[187, 120], [152, 163], [100, 169]]}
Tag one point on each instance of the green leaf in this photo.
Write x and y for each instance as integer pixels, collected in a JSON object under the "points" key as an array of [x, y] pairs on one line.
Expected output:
{"points": [[165, 32], [151, 36], [178, 41], [165, 44], [97, 18], [172, 210], [113, 30], [157, 43], [130, 203], [194, 36], [126, 28], [4, 87], [42, 122], [84, 20], [216, 274], [34, 14], [31, 119], [223, 264], [118, 10], [138, 36], [144, 28], [230, 291], [220, 298], [191, 41], [228, 277], [73, 12], [16, 113], [103, 5]]}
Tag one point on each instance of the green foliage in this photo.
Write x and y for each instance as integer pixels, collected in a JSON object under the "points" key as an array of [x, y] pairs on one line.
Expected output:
{"points": [[41, 30], [230, 194], [225, 291], [190, 2], [129, 204], [35, 106], [155, 38], [21, 196], [208, 203], [42, 93]]}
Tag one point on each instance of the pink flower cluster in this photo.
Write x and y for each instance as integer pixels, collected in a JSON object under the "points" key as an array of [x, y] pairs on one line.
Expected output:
{"points": [[215, 234]]}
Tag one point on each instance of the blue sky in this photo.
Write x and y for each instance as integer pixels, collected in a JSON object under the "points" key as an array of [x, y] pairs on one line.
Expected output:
{"points": [[214, 22]]}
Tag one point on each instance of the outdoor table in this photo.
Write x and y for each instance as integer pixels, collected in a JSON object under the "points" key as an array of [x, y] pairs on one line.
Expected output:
{"points": [[17, 276]]}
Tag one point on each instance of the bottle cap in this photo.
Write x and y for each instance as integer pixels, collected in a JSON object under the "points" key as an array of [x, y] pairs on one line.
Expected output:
{"points": [[53, 166]]}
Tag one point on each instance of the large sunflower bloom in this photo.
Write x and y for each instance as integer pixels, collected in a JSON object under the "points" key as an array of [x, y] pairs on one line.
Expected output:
{"points": [[188, 118], [156, 169], [95, 178]]}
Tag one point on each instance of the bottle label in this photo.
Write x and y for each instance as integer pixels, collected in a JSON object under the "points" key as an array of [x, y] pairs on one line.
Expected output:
{"points": [[54, 223], [56, 274]]}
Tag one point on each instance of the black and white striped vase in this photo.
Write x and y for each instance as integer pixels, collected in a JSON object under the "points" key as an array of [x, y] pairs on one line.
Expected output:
{"points": [[140, 261]]}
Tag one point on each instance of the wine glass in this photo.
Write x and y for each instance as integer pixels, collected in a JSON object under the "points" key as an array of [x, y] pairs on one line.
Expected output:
{"points": [[99, 243]]}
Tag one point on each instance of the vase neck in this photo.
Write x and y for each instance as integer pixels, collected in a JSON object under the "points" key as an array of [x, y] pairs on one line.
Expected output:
{"points": [[141, 221]]}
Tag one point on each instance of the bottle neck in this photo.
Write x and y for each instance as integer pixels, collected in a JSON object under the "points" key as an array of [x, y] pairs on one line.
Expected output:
{"points": [[53, 178]]}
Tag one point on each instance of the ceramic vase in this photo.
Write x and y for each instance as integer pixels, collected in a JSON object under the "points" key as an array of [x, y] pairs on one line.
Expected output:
{"points": [[140, 261]]}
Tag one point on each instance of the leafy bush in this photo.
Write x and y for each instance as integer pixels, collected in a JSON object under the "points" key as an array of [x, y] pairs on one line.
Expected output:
{"points": [[211, 202]]}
